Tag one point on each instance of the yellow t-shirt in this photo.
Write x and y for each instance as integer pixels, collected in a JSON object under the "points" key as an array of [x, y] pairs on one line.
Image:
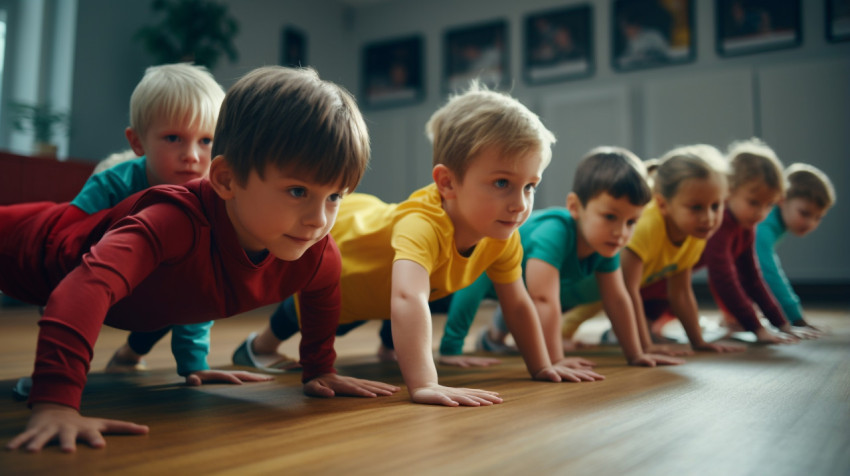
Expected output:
{"points": [[371, 235], [661, 258]]}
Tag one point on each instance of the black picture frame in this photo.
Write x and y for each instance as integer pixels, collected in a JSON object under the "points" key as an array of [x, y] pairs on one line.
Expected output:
{"points": [[293, 47], [393, 72], [837, 20], [559, 45], [755, 26], [476, 52], [652, 33]]}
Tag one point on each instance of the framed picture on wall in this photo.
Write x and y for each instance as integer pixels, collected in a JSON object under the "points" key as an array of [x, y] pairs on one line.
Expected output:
{"points": [[651, 33], [752, 26], [392, 72], [838, 20], [293, 49], [479, 51], [558, 45]]}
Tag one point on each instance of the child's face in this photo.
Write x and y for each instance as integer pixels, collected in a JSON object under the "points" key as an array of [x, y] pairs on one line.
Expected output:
{"points": [[695, 210], [751, 202], [801, 215], [495, 197], [605, 224], [282, 213], [176, 152]]}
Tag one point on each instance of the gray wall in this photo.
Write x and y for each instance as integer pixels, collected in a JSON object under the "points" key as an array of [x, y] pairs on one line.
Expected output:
{"points": [[797, 99]]}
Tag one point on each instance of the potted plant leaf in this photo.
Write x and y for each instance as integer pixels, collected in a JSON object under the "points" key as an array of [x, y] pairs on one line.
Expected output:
{"points": [[43, 121], [197, 31]]}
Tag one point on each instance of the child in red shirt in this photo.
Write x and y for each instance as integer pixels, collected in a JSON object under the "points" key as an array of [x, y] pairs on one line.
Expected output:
{"points": [[252, 234]]}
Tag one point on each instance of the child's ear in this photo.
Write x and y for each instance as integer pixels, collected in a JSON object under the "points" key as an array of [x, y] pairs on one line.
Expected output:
{"points": [[445, 180], [135, 141], [222, 178], [573, 204]]}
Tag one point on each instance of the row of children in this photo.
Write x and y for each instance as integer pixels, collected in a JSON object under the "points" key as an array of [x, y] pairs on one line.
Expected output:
{"points": [[266, 224]]}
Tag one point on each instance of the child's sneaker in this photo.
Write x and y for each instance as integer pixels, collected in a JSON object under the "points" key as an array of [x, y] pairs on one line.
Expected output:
{"points": [[119, 365], [485, 343], [245, 357], [608, 338]]}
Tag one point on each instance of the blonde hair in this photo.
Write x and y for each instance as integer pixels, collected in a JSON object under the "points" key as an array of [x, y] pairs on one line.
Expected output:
{"points": [[752, 160], [479, 118], [809, 182], [174, 93], [288, 117], [699, 161]]}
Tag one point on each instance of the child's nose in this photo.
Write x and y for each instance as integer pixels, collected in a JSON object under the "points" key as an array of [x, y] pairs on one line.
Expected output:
{"points": [[316, 216], [193, 154]]}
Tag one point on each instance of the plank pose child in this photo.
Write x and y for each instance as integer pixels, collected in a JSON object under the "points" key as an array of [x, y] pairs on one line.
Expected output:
{"points": [[489, 152], [173, 111], [689, 185], [570, 256], [288, 147], [756, 185], [808, 196]]}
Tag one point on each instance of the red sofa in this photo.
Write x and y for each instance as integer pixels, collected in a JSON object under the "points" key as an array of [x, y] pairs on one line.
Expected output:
{"points": [[33, 179]]}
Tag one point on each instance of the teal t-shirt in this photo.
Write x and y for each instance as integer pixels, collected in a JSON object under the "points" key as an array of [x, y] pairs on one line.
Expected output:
{"points": [[768, 235], [105, 189], [549, 235], [190, 343]]}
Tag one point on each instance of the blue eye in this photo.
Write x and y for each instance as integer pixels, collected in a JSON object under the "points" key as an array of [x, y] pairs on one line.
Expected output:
{"points": [[297, 192], [172, 138], [501, 183], [531, 188], [206, 141]]}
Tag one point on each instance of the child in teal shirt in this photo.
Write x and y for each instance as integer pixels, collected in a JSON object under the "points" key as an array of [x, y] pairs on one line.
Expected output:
{"points": [[566, 252], [808, 196]]}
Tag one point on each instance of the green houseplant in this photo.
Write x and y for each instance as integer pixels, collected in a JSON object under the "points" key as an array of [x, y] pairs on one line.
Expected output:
{"points": [[43, 121], [198, 31]]}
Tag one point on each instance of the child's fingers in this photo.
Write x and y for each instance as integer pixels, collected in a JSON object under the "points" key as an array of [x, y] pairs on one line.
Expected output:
{"points": [[19, 440], [39, 439], [253, 377], [68, 439], [93, 437]]}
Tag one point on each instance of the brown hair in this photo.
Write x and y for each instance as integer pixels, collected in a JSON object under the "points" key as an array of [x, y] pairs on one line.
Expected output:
{"points": [[289, 117], [808, 182], [752, 160]]}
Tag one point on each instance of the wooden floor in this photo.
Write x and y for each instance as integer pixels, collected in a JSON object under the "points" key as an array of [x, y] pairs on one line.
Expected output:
{"points": [[779, 410]]}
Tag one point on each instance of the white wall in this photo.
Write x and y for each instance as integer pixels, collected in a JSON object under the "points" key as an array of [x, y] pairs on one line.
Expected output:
{"points": [[796, 99], [109, 62]]}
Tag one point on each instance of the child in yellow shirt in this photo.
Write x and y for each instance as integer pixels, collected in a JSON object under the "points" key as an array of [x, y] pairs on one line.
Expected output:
{"points": [[489, 154]]}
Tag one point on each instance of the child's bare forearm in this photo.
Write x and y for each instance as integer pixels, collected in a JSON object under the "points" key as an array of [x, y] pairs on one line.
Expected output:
{"points": [[411, 327]]}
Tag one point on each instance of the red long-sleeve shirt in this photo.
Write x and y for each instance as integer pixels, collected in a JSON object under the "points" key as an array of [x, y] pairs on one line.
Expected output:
{"points": [[734, 276], [167, 255]]}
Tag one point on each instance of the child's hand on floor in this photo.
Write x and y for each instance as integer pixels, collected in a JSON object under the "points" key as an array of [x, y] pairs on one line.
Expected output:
{"points": [[467, 361], [560, 373], [652, 360], [453, 397], [235, 377], [801, 332], [330, 385], [50, 421], [669, 350], [576, 363], [766, 336]]}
